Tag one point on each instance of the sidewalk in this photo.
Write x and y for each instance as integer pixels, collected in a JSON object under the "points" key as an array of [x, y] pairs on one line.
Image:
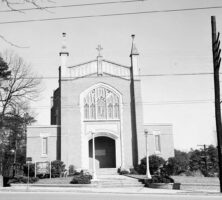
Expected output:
{"points": [[129, 190]]}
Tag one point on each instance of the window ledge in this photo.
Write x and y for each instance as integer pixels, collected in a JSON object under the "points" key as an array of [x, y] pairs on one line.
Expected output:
{"points": [[100, 120]]}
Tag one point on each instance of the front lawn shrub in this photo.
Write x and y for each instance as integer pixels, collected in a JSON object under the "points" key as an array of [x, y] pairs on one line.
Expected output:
{"points": [[57, 167], [154, 163], [23, 179], [81, 179]]}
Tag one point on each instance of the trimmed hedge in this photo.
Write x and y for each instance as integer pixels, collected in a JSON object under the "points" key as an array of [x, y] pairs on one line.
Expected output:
{"points": [[160, 179]]}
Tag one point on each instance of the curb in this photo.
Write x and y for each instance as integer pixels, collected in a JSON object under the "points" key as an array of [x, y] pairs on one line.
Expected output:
{"points": [[110, 191]]}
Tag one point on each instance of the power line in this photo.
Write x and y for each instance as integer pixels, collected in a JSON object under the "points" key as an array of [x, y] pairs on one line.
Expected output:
{"points": [[144, 103], [74, 5], [110, 15], [111, 76]]}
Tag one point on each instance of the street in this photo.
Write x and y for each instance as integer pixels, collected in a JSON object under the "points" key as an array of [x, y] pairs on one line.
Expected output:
{"points": [[101, 196]]}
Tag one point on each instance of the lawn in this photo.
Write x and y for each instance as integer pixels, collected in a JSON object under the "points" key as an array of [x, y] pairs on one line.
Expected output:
{"points": [[193, 183], [62, 180], [187, 182], [191, 179]]}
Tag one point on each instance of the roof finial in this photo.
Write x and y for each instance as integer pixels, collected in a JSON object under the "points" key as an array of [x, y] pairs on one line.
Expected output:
{"points": [[99, 49], [63, 42], [134, 50]]}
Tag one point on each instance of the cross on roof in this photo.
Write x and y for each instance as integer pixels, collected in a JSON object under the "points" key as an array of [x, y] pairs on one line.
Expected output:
{"points": [[99, 49]]}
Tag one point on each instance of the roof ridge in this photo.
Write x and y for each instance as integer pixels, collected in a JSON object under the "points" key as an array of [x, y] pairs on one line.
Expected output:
{"points": [[111, 62], [84, 63]]}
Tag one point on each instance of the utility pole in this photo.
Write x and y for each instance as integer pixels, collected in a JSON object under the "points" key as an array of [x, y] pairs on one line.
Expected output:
{"points": [[205, 157], [216, 63]]}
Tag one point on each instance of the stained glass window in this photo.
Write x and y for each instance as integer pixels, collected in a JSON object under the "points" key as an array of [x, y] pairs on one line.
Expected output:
{"points": [[86, 111], [101, 104]]}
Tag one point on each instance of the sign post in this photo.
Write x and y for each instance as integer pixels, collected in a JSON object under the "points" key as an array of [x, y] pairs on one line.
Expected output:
{"points": [[28, 160]]}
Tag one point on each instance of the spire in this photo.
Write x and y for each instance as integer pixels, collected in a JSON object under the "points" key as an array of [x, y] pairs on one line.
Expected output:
{"points": [[134, 50]]}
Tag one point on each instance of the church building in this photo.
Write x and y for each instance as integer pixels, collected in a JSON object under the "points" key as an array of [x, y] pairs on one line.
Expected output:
{"points": [[98, 100]]}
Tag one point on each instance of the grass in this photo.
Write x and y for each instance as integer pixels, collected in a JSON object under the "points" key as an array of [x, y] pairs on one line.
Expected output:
{"points": [[187, 182], [201, 180], [62, 180], [191, 183]]}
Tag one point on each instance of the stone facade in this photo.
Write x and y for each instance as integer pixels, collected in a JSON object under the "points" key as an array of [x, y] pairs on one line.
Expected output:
{"points": [[99, 98]]}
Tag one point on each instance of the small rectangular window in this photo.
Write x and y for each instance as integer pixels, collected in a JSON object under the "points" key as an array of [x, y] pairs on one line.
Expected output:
{"points": [[157, 143], [45, 146]]}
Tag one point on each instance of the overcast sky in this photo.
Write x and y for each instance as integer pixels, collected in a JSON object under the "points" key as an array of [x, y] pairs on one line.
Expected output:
{"points": [[168, 42]]}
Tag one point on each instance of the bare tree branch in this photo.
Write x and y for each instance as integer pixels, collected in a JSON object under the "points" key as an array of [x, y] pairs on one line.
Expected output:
{"points": [[11, 43], [21, 87], [11, 5]]}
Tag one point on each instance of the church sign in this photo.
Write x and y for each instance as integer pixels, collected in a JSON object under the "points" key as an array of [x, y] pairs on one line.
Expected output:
{"points": [[42, 168]]}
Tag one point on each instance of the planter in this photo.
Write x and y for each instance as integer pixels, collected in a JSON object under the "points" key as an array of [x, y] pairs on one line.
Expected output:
{"points": [[171, 186]]}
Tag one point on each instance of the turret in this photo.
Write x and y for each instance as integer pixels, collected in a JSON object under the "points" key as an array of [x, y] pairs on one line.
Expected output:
{"points": [[64, 56], [134, 59]]}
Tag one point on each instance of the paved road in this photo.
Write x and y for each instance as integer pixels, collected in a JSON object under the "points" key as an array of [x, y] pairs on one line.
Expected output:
{"points": [[91, 196]]}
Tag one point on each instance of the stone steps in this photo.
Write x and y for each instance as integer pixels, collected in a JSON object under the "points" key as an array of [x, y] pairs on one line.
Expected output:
{"points": [[104, 171], [109, 178], [118, 181]]}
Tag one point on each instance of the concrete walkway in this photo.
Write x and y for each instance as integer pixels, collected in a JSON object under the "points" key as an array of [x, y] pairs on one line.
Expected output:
{"points": [[130, 190]]}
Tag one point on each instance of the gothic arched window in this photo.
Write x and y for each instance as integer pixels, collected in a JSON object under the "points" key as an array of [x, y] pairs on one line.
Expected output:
{"points": [[92, 111], [116, 111], [101, 104], [110, 111]]}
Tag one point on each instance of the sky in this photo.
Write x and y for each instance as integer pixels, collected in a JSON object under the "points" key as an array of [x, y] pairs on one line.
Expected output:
{"points": [[168, 43]]}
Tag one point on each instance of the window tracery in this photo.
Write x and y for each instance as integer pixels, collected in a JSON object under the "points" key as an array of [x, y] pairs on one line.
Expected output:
{"points": [[101, 104]]}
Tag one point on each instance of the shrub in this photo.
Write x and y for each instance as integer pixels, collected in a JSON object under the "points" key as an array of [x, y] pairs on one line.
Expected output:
{"points": [[159, 179], [57, 167], [178, 164], [23, 179], [154, 163], [81, 179]]}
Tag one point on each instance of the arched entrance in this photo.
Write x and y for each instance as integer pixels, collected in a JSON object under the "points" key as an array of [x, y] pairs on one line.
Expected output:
{"points": [[105, 152]]}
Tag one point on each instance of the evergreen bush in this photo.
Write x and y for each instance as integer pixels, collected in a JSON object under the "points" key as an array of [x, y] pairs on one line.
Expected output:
{"points": [[154, 164], [23, 179], [81, 179], [57, 167]]}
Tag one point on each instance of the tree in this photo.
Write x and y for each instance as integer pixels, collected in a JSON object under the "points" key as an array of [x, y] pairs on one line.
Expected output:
{"points": [[205, 160], [4, 72], [212, 160], [21, 86], [12, 3]]}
